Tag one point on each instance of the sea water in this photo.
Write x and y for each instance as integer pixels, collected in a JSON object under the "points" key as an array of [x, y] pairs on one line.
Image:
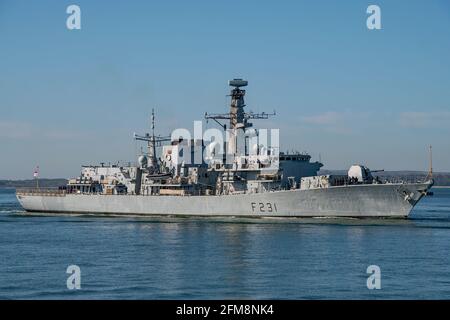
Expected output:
{"points": [[224, 258]]}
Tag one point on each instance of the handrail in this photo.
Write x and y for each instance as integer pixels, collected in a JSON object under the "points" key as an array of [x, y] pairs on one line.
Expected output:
{"points": [[41, 191]]}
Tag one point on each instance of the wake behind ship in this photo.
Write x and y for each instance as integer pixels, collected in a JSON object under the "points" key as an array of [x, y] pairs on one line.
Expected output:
{"points": [[234, 171]]}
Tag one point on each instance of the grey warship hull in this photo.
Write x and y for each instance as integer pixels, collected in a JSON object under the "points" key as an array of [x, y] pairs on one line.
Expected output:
{"points": [[234, 172], [374, 200]]}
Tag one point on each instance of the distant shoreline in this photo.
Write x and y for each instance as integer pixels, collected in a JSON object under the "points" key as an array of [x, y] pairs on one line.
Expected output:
{"points": [[30, 183], [441, 179]]}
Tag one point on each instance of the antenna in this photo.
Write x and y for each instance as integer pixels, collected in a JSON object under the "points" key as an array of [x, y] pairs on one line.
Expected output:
{"points": [[237, 116], [153, 122], [430, 172], [153, 141]]}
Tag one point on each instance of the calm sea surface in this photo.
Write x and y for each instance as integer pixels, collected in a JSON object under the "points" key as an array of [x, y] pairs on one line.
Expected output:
{"points": [[199, 258]]}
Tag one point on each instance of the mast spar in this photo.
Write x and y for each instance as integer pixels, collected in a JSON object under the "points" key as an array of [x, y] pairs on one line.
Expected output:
{"points": [[153, 141], [238, 118], [430, 173]]}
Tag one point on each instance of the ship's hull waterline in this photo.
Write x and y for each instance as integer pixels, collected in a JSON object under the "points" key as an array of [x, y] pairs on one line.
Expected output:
{"points": [[372, 200]]}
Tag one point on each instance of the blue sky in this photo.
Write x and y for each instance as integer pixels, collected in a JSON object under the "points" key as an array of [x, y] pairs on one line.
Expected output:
{"points": [[340, 90]]}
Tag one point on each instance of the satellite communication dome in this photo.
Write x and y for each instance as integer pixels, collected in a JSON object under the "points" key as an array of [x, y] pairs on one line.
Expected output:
{"points": [[142, 161]]}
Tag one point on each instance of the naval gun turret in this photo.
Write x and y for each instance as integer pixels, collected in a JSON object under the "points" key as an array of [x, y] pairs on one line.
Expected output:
{"points": [[360, 174]]}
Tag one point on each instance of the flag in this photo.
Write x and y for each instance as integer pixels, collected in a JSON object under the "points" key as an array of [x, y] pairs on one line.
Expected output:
{"points": [[36, 172]]}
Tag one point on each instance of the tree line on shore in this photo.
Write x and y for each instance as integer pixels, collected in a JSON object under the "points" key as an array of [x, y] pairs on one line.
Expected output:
{"points": [[440, 179]]}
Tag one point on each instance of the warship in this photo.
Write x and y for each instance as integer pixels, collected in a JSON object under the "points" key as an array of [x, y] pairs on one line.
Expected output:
{"points": [[242, 174]]}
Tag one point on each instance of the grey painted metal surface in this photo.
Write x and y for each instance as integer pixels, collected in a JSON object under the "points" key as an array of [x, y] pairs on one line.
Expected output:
{"points": [[375, 200]]}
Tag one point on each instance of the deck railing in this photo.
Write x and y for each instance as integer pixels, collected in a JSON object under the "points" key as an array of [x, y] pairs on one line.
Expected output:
{"points": [[41, 192], [344, 181], [403, 179]]}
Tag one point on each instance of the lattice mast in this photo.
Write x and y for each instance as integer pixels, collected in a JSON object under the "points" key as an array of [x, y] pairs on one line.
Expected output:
{"points": [[238, 117], [153, 141]]}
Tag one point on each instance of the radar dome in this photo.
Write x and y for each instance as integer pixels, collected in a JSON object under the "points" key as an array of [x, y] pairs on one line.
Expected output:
{"points": [[143, 161], [237, 83]]}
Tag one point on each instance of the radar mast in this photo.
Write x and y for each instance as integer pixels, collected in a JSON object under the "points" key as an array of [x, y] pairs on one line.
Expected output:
{"points": [[238, 117], [153, 141]]}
